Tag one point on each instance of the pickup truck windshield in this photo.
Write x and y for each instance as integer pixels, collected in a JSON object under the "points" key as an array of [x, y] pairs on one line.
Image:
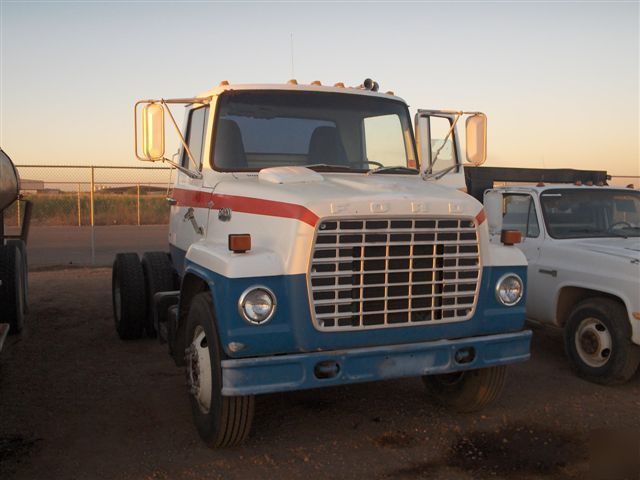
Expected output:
{"points": [[327, 131], [576, 213]]}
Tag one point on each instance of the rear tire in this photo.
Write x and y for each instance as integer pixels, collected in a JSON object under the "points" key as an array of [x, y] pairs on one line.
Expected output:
{"points": [[128, 296], [597, 340], [12, 288], [159, 276], [25, 271], [469, 390], [221, 421]]}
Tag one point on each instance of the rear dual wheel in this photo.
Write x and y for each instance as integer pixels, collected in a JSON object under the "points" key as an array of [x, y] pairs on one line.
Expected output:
{"points": [[128, 296], [159, 276]]}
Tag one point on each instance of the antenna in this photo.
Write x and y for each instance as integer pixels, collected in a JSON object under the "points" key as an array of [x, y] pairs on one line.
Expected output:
{"points": [[292, 71]]}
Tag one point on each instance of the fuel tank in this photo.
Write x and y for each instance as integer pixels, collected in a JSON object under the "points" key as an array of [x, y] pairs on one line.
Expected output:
{"points": [[9, 181]]}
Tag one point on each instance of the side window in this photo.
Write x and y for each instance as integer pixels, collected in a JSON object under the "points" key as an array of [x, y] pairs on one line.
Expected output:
{"points": [[519, 213], [195, 136], [439, 127], [384, 141]]}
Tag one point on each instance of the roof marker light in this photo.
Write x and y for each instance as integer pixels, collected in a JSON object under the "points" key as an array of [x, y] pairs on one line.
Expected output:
{"points": [[589, 183], [389, 92], [339, 85], [630, 185], [578, 183], [540, 184], [224, 83], [293, 81], [316, 82]]}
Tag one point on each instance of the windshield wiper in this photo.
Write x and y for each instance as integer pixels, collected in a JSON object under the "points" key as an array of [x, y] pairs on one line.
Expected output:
{"points": [[326, 165], [393, 169], [438, 175]]}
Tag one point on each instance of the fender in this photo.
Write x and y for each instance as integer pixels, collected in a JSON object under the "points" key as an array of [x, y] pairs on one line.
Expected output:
{"points": [[606, 289], [216, 257]]}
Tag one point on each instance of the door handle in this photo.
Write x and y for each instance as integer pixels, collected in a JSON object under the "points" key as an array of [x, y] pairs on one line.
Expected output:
{"points": [[553, 273], [171, 201]]}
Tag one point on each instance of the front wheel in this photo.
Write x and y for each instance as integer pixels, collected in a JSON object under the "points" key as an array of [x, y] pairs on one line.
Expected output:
{"points": [[597, 340], [222, 421], [469, 390]]}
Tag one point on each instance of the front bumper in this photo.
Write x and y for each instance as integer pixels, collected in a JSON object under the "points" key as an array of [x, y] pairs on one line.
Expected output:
{"points": [[279, 373]]}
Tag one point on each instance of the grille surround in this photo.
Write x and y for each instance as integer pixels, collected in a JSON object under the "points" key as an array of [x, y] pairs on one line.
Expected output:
{"points": [[404, 303]]}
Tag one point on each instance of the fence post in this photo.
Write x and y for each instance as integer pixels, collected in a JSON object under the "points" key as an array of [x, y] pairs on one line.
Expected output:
{"points": [[93, 232], [138, 203], [79, 211]]}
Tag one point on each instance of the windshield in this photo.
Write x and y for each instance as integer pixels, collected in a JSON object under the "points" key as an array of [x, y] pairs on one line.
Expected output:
{"points": [[575, 213], [331, 131]]}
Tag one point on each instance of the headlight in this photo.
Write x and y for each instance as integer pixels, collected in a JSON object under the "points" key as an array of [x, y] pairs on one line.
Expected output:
{"points": [[257, 304], [509, 289]]}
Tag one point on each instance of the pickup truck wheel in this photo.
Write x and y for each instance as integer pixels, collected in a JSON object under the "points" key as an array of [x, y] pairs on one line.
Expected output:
{"points": [[598, 343], [221, 421], [128, 296], [159, 276], [467, 391], [12, 288]]}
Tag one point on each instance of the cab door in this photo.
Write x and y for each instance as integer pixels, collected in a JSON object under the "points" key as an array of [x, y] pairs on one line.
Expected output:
{"points": [[191, 197], [521, 213]]}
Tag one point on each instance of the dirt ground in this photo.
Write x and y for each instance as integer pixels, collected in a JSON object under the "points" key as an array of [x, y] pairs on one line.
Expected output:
{"points": [[76, 402]]}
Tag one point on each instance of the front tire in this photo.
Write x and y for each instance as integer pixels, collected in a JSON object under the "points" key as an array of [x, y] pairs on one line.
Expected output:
{"points": [[128, 296], [597, 340], [469, 390], [221, 421]]}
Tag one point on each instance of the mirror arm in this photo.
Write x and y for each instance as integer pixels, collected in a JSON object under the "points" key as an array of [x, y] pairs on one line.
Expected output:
{"points": [[184, 143], [189, 173]]}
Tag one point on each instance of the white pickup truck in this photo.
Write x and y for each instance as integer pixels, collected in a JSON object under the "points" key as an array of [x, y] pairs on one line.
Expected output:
{"points": [[582, 244]]}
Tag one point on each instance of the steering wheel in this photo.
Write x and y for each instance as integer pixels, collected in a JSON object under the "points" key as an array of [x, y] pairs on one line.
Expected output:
{"points": [[377, 164], [622, 222]]}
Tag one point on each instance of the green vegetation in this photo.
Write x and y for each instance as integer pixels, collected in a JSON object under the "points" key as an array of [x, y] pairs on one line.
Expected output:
{"points": [[109, 209]]}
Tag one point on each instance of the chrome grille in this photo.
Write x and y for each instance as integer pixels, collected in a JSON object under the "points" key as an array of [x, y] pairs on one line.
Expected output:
{"points": [[376, 273]]}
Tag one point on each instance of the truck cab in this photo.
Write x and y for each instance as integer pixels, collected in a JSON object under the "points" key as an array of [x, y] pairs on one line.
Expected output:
{"points": [[310, 247], [582, 244]]}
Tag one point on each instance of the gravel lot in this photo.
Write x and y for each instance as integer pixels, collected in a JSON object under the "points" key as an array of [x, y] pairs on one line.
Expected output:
{"points": [[76, 402]]}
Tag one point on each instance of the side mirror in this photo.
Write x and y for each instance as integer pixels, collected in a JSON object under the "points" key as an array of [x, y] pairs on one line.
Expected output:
{"points": [[153, 132], [493, 210], [476, 134]]}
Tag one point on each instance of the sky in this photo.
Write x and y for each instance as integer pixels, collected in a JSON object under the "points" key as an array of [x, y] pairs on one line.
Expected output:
{"points": [[559, 81]]}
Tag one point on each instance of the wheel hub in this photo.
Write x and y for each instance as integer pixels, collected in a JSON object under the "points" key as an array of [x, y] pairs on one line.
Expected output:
{"points": [[199, 370], [593, 342]]}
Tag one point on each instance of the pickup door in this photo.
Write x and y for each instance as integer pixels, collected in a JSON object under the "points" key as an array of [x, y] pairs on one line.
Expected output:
{"points": [[520, 212]]}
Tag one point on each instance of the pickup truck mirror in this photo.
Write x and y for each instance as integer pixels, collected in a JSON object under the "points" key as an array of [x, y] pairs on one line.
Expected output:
{"points": [[476, 135], [153, 132], [493, 210]]}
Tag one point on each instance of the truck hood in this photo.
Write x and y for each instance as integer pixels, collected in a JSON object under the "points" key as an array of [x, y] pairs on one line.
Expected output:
{"points": [[624, 248], [350, 193]]}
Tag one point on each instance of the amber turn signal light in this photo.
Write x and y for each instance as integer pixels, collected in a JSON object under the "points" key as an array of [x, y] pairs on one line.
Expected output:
{"points": [[240, 243], [510, 237]]}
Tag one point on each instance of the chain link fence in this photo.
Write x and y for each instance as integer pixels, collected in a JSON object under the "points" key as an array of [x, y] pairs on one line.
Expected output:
{"points": [[65, 195], [84, 215]]}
